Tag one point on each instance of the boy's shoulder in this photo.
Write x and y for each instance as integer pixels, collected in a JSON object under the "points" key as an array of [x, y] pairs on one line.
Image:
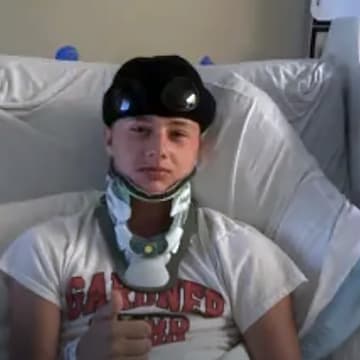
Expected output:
{"points": [[221, 228]]}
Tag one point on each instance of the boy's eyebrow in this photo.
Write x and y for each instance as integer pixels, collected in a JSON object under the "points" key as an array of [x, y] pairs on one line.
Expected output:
{"points": [[175, 122], [180, 123], [138, 120], [142, 118]]}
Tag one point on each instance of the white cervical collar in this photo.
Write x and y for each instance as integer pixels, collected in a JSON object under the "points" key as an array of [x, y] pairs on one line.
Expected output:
{"points": [[144, 271]]}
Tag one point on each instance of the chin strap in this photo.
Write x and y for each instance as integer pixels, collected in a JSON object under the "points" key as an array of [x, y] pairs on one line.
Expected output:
{"points": [[124, 185], [118, 203]]}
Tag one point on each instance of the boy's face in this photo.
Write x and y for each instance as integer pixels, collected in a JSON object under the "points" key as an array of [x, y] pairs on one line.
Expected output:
{"points": [[153, 151]]}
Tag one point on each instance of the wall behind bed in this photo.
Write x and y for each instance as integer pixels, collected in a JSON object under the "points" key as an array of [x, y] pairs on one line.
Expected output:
{"points": [[113, 30]]}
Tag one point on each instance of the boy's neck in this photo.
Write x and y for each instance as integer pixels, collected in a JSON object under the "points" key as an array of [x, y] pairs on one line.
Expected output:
{"points": [[149, 219]]}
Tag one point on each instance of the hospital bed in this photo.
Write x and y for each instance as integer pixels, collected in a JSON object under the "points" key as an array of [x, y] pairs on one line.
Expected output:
{"points": [[280, 158]]}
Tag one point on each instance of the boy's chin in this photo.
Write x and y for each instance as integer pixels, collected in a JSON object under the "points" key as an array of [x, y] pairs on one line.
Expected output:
{"points": [[156, 189]]}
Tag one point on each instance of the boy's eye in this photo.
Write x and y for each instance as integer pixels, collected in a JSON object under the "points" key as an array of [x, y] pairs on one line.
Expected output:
{"points": [[140, 129], [178, 134]]}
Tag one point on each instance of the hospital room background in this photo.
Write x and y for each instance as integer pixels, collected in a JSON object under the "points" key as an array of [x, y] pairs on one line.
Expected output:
{"points": [[294, 65], [113, 30]]}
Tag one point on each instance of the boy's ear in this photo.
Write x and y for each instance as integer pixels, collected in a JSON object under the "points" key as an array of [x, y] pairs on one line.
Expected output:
{"points": [[108, 140], [206, 150]]}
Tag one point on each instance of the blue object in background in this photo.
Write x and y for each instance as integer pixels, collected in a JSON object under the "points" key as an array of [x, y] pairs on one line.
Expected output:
{"points": [[68, 52], [206, 60], [337, 322]]}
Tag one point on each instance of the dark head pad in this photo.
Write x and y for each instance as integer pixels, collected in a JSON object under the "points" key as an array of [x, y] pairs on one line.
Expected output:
{"points": [[166, 86]]}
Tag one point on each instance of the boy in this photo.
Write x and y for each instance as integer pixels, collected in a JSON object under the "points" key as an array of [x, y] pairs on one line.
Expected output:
{"points": [[146, 273]]}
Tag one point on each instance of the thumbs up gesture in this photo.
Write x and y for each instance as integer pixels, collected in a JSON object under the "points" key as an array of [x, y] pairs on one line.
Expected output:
{"points": [[110, 338]]}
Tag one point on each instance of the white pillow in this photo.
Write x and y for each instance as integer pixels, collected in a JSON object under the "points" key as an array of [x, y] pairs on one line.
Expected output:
{"points": [[259, 171], [16, 217], [310, 93], [19, 216], [50, 119]]}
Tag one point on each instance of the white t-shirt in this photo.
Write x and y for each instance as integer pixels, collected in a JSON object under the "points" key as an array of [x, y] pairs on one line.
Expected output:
{"points": [[230, 276]]}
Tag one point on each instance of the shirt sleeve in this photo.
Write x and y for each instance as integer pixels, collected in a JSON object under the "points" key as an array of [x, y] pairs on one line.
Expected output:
{"points": [[258, 274], [34, 260]]}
